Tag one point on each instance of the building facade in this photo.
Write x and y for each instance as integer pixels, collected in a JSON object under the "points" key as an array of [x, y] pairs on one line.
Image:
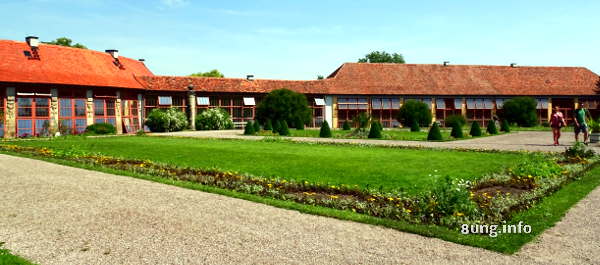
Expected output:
{"points": [[45, 89]]}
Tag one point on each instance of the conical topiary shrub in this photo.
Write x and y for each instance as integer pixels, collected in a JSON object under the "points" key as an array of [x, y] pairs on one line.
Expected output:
{"points": [[284, 129], [325, 130], [491, 127], [504, 126], [414, 126], [268, 126], [299, 124], [249, 129], [346, 126], [434, 133], [457, 131], [475, 129], [256, 126], [375, 131], [276, 126]]}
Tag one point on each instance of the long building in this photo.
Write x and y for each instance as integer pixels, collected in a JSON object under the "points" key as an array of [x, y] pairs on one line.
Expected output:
{"points": [[47, 88]]}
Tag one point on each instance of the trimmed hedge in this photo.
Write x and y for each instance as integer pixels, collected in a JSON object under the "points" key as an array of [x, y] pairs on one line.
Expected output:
{"points": [[475, 129], [325, 131], [491, 127], [284, 129], [457, 131], [375, 131], [434, 133], [249, 128], [504, 126], [346, 126], [101, 128], [166, 120], [414, 126]]}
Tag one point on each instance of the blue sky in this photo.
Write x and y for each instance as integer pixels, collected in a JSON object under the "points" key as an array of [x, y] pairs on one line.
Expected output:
{"points": [[302, 39]]}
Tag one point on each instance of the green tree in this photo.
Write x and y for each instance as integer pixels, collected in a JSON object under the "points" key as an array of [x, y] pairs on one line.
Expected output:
{"points": [[298, 124], [413, 110], [256, 126], [211, 73], [276, 126], [504, 126], [64, 41], [491, 127], [457, 131], [268, 125], [475, 129], [284, 104], [320, 77], [346, 126], [284, 129], [520, 110], [375, 131], [325, 131], [414, 126], [249, 129], [434, 133], [382, 57]]}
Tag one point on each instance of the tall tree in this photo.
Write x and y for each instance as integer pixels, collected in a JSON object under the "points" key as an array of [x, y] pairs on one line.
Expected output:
{"points": [[211, 73], [64, 41], [382, 57]]}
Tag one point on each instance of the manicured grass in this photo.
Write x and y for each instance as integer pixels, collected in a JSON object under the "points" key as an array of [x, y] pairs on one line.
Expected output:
{"points": [[541, 216], [388, 134], [390, 168]]}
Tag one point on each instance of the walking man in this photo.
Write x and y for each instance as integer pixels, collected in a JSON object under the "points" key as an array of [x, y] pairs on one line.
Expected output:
{"points": [[580, 123]]}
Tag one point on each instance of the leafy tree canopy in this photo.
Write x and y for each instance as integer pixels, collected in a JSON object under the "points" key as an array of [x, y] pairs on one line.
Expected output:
{"points": [[64, 41], [211, 73], [413, 111], [382, 57], [284, 105], [520, 110]]}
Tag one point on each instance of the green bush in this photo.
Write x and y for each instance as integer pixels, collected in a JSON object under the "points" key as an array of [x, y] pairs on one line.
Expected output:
{"points": [[434, 133], [520, 110], [536, 167], [375, 131], [457, 131], [284, 129], [101, 128], [276, 126], [475, 129], [578, 150], [491, 127], [256, 126], [284, 105], [413, 110], [299, 124], [452, 119], [325, 130], [214, 119], [268, 125], [362, 121], [504, 126], [414, 126], [346, 126], [166, 120], [249, 128]]}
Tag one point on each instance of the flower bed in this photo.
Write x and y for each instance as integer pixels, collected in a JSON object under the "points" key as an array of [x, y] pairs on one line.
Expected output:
{"points": [[491, 199]]}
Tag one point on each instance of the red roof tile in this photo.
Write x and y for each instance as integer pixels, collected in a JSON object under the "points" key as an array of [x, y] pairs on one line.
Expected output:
{"points": [[65, 65]]}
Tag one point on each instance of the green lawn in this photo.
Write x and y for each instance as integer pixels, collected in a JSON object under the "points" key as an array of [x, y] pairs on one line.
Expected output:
{"points": [[388, 134], [391, 168]]}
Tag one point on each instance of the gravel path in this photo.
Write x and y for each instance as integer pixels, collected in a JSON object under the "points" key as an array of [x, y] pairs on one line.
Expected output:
{"points": [[52, 214], [516, 141]]}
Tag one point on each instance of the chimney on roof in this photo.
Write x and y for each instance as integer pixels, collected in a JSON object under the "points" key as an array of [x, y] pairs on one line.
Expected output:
{"points": [[513, 65], [446, 63], [249, 77], [113, 53], [32, 41], [142, 60], [190, 87]]}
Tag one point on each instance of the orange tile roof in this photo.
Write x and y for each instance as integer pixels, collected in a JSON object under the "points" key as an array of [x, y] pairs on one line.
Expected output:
{"points": [[65, 65]]}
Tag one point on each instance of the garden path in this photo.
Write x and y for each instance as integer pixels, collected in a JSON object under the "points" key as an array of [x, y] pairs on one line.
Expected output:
{"points": [[53, 214]]}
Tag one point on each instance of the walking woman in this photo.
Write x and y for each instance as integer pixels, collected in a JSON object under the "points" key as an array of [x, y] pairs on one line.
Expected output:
{"points": [[557, 121]]}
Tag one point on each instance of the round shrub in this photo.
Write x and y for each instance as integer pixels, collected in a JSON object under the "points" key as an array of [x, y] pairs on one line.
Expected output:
{"points": [[375, 131], [413, 110], [452, 119], [325, 130], [346, 126], [362, 121], [284, 104], [249, 128], [299, 124], [504, 126], [434, 133], [284, 129], [414, 126], [457, 131], [491, 127], [256, 126], [276, 126], [268, 125], [520, 110], [214, 119], [101, 128], [475, 129], [166, 120]]}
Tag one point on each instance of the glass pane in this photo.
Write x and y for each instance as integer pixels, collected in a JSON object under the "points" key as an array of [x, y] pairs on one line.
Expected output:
{"points": [[99, 107], [99, 121], [387, 103], [42, 102], [24, 112], [41, 127], [112, 121], [110, 112], [24, 102], [80, 107], [42, 112]]}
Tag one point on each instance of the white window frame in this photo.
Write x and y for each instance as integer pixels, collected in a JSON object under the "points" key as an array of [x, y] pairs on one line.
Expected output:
{"points": [[161, 101], [202, 101], [249, 101], [319, 102]]}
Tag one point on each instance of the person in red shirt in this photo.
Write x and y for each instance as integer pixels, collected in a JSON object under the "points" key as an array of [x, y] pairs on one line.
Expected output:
{"points": [[557, 121]]}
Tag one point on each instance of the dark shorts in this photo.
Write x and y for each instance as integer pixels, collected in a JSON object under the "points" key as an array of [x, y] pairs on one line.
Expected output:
{"points": [[581, 129]]}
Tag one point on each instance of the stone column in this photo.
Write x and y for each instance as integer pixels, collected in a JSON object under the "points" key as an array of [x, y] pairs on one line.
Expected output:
{"points": [[549, 109], [141, 111], [192, 109], [433, 109], [334, 119], [89, 110], [10, 121], [53, 126], [328, 115], [576, 100], [118, 114], [463, 107]]}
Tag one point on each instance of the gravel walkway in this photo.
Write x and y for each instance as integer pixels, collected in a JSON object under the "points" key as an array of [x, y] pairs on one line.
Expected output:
{"points": [[52, 214], [516, 141]]}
